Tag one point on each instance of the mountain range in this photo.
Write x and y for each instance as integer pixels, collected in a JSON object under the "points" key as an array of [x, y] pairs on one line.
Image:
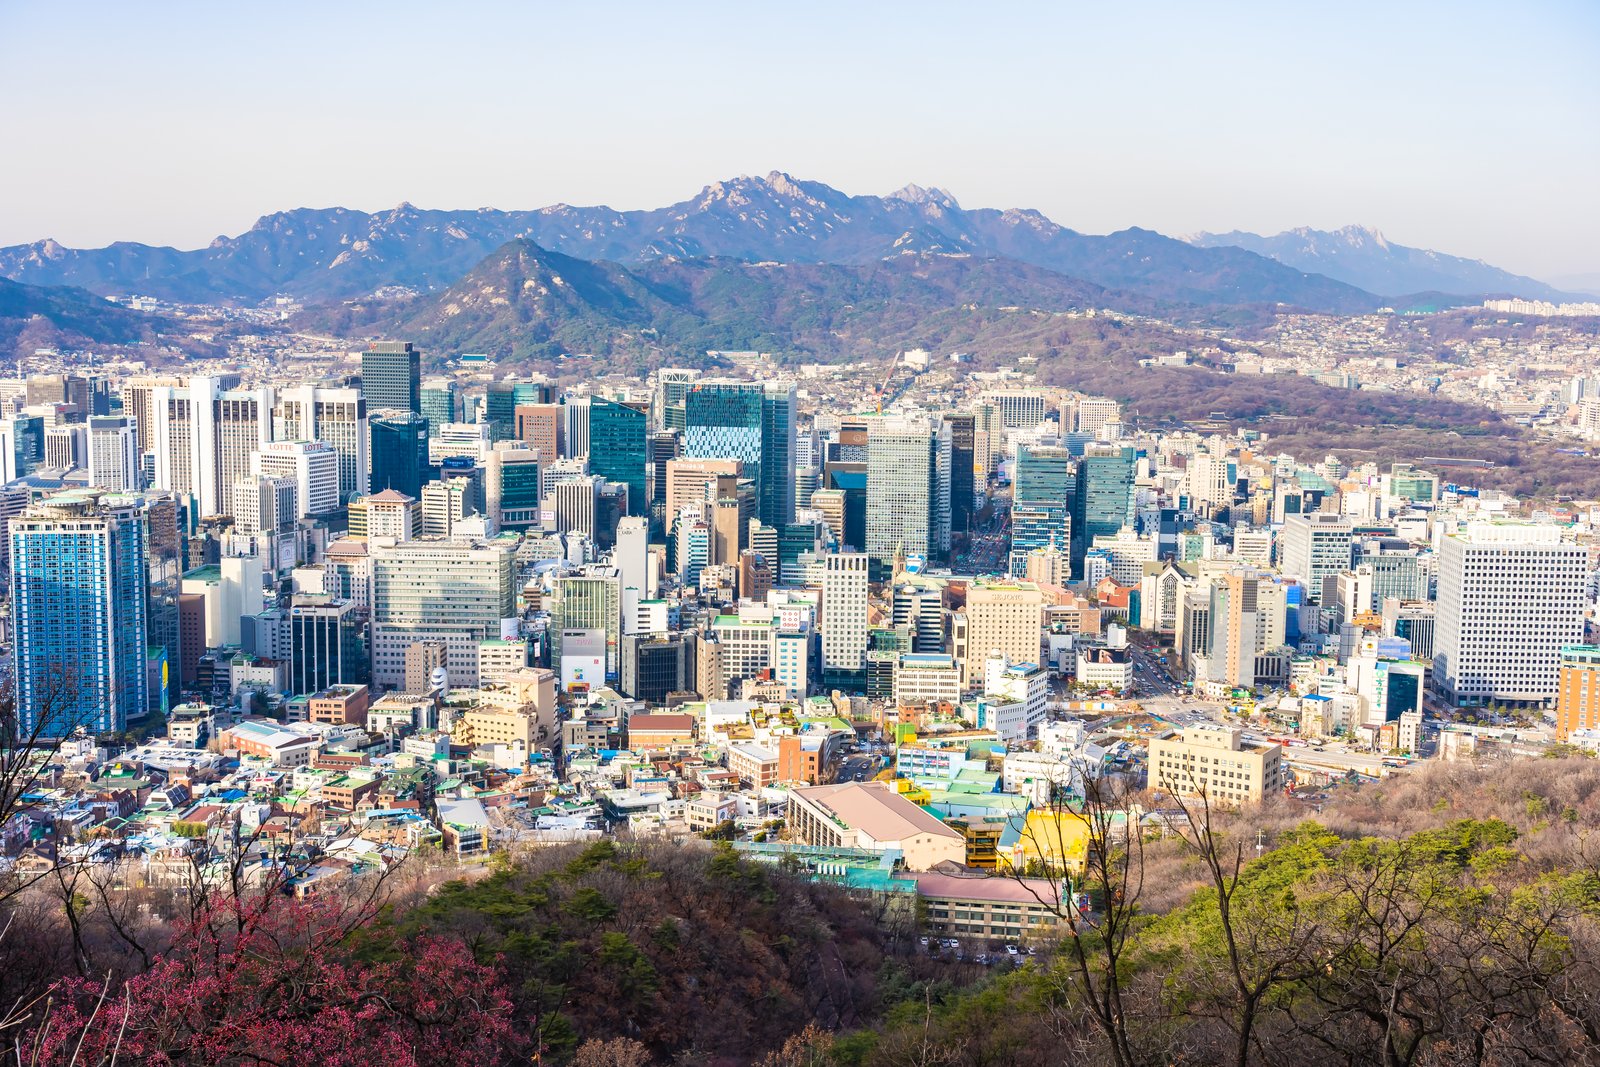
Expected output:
{"points": [[1363, 257], [528, 302], [337, 253]]}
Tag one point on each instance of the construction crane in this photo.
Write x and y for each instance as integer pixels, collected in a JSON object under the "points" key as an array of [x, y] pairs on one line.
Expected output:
{"points": [[883, 390]]}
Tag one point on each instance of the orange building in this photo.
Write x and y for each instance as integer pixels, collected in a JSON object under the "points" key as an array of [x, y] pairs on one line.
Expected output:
{"points": [[1578, 694]]}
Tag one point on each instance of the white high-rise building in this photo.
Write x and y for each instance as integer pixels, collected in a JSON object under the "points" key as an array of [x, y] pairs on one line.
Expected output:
{"points": [[1094, 412], [631, 557], [64, 447], [314, 466], [844, 615], [244, 426], [452, 592], [471, 439], [184, 441], [113, 452], [1511, 595], [576, 413], [264, 504], [1312, 547], [336, 417]]}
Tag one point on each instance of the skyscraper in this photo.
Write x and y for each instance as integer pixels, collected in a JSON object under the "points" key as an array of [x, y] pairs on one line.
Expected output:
{"points": [[1511, 597], [313, 465], [113, 452], [1103, 503], [399, 451], [963, 487], [753, 422], [575, 427], [908, 490], [617, 435], [1312, 547], [501, 400], [1043, 483], [337, 417], [844, 621], [79, 613], [440, 404], [391, 376]]}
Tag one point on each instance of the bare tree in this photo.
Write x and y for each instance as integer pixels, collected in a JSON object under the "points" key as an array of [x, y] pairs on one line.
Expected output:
{"points": [[1111, 878]]}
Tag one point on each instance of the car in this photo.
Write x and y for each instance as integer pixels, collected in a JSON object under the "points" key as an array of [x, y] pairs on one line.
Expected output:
{"points": [[924, 941], [1013, 950]]}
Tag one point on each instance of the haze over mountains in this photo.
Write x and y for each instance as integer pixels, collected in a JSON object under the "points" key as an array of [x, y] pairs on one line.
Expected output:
{"points": [[337, 253], [1361, 256], [749, 261]]}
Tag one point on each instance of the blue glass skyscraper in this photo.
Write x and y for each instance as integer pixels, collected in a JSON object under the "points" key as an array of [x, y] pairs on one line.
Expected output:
{"points": [[753, 422], [1103, 503], [617, 436], [79, 613], [1041, 512]]}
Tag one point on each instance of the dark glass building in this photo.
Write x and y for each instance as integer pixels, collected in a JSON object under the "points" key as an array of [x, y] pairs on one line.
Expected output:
{"points": [[618, 434], [963, 491], [328, 642], [753, 422], [399, 454]]}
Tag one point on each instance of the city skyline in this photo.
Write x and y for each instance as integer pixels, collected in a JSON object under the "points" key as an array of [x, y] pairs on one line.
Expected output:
{"points": [[1378, 118]]}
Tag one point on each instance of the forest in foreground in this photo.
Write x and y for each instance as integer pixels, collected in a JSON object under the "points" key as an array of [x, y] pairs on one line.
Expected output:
{"points": [[1440, 918]]}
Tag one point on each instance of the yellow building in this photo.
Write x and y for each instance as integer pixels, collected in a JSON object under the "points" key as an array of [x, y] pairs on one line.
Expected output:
{"points": [[1055, 840]]}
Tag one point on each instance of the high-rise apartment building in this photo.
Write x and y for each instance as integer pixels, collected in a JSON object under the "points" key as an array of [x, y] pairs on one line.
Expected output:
{"points": [[391, 377], [1511, 597], [79, 613]]}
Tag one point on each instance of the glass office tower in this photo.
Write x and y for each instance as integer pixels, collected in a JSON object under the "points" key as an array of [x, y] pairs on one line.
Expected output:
{"points": [[617, 441]]}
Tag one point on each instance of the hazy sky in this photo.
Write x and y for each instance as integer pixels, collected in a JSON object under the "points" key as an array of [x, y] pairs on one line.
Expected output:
{"points": [[1470, 128]]}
